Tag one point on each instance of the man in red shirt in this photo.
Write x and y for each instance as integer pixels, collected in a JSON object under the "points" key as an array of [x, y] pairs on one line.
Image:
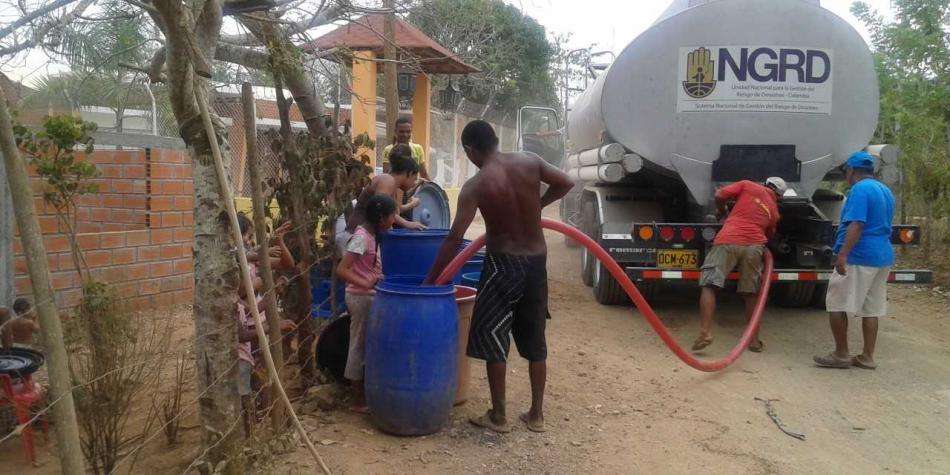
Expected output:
{"points": [[740, 243]]}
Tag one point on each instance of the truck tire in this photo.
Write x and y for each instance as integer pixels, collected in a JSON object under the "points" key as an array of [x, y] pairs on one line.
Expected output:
{"points": [[793, 295], [607, 290], [588, 225]]}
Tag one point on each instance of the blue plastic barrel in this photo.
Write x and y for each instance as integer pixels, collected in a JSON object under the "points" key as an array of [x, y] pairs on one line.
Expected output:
{"points": [[471, 279], [410, 253], [320, 286], [411, 357], [474, 265]]}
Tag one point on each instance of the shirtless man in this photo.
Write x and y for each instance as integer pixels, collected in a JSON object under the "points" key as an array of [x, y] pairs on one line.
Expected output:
{"points": [[514, 290]]}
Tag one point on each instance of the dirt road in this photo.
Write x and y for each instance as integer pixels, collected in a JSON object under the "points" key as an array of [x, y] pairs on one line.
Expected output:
{"points": [[618, 401]]}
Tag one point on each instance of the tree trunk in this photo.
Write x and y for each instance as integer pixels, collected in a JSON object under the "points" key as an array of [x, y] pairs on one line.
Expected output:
{"points": [[215, 267], [389, 72], [64, 411], [6, 241], [260, 229]]}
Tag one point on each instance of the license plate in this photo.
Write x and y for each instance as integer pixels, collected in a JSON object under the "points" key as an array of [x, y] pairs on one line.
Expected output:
{"points": [[677, 258]]}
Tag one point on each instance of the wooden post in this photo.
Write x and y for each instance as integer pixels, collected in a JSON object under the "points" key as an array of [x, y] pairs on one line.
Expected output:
{"points": [[421, 114], [260, 230], [60, 390], [389, 71], [363, 112]]}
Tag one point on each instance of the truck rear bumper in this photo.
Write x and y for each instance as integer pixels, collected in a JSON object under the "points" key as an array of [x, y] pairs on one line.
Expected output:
{"points": [[638, 274]]}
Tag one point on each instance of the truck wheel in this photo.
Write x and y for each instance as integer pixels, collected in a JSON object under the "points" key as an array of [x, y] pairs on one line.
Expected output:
{"points": [[588, 224], [607, 290], [793, 295]]}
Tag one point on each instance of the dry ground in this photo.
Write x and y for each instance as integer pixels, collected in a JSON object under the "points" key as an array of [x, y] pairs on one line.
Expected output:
{"points": [[619, 402]]}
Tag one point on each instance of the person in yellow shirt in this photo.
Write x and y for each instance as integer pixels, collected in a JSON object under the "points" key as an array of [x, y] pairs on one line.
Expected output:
{"points": [[403, 134]]}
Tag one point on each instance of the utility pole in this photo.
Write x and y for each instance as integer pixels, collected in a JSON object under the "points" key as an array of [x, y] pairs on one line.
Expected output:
{"points": [[61, 394], [389, 70]]}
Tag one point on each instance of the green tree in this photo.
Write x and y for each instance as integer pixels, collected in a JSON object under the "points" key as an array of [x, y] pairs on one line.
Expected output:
{"points": [[510, 48], [912, 56]]}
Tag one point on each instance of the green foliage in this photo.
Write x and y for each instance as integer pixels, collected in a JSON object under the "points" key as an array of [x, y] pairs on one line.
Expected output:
{"points": [[325, 174], [912, 54], [510, 48], [52, 151]]}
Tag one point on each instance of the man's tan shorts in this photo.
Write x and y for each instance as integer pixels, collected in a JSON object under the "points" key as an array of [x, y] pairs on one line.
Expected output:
{"points": [[723, 258], [862, 292]]}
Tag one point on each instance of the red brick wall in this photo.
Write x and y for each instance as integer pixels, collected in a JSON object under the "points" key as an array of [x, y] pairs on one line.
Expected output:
{"points": [[136, 233]]}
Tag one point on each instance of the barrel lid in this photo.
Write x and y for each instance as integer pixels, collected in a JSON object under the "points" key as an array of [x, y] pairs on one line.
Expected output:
{"points": [[433, 210], [400, 287]]}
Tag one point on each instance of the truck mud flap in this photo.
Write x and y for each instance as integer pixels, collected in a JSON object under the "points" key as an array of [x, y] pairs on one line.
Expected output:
{"points": [[639, 274]]}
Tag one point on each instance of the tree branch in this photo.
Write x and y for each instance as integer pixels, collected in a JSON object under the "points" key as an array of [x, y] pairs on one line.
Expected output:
{"points": [[321, 17], [29, 17], [39, 34]]}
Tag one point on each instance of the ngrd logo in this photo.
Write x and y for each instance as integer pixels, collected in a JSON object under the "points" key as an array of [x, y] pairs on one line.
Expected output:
{"points": [[766, 64]]}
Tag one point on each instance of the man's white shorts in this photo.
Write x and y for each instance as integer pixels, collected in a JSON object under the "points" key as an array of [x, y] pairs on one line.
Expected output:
{"points": [[862, 293]]}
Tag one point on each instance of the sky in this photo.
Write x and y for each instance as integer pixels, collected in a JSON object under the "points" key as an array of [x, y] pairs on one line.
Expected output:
{"points": [[612, 24], [609, 24]]}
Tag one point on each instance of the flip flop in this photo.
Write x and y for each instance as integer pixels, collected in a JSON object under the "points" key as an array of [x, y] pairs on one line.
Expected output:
{"points": [[860, 362], [484, 421], [532, 426], [756, 348], [702, 342], [832, 361]]}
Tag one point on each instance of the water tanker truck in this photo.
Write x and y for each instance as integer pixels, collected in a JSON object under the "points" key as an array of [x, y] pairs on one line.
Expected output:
{"points": [[714, 92]]}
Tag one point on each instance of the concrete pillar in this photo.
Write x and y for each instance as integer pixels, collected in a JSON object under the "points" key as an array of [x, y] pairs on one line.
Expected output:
{"points": [[363, 113], [421, 114]]}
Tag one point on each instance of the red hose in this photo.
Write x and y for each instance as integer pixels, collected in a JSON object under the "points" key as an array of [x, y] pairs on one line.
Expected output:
{"points": [[635, 296]]}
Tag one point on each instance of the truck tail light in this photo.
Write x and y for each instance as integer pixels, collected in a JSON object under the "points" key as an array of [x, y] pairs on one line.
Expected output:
{"points": [[645, 233], [709, 234], [687, 234], [667, 233]]}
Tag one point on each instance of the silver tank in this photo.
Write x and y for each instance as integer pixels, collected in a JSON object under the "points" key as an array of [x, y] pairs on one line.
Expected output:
{"points": [[778, 72]]}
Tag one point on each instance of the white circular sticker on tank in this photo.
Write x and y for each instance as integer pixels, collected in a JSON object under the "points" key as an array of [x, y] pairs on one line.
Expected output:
{"points": [[783, 79]]}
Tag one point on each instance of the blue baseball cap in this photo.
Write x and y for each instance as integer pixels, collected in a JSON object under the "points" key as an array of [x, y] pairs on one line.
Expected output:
{"points": [[861, 160]]}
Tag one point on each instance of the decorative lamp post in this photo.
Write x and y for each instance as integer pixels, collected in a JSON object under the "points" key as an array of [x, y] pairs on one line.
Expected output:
{"points": [[449, 98]]}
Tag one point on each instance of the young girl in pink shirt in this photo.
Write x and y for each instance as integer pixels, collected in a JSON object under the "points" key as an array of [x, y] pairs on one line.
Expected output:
{"points": [[361, 268]]}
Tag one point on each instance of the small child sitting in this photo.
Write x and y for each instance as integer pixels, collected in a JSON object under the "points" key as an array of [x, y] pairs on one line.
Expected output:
{"points": [[20, 327], [361, 269]]}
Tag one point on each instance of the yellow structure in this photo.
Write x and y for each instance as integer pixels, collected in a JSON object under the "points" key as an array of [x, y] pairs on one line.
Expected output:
{"points": [[363, 37], [363, 112], [421, 112]]}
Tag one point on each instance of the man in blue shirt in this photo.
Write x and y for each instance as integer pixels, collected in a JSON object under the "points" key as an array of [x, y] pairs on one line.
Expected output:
{"points": [[858, 285]]}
